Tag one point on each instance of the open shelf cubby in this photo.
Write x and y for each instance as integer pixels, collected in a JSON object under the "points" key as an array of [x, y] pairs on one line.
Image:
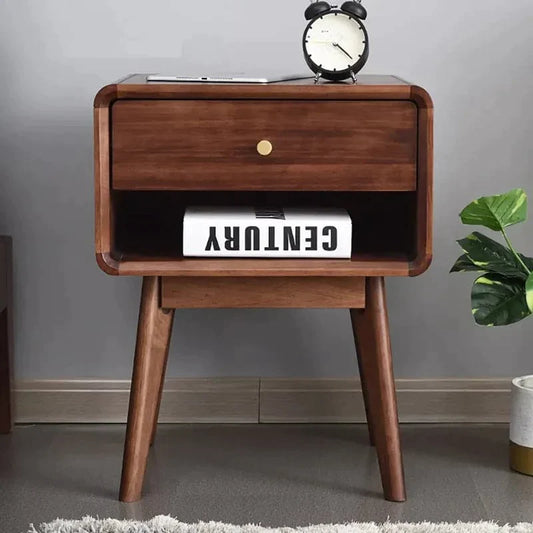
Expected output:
{"points": [[148, 229]]}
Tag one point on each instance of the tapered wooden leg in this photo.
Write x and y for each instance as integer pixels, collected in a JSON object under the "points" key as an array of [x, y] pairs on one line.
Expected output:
{"points": [[160, 395], [372, 332], [153, 337], [364, 382]]}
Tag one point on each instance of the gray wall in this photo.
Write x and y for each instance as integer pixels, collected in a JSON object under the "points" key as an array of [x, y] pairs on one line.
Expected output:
{"points": [[74, 321]]}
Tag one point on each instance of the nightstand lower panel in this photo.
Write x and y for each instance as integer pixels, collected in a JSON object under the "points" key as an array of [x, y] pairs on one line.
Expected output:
{"points": [[238, 292]]}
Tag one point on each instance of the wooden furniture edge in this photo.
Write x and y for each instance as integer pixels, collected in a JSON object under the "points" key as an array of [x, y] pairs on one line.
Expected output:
{"points": [[419, 265], [103, 219], [110, 93], [421, 97], [191, 267], [106, 96], [424, 227], [106, 263]]}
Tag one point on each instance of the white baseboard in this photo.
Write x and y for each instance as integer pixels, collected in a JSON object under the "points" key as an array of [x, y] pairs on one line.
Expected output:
{"points": [[253, 400]]}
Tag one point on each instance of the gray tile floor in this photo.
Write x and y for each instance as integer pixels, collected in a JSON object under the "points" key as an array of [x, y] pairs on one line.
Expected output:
{"points": [[268, 474]]}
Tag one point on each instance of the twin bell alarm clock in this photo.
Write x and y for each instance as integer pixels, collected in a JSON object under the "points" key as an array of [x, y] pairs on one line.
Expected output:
{"points": [[335, 41]]}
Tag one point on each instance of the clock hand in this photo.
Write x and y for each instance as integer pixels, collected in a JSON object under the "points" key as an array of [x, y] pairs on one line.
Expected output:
{"points": [[337, 45]]}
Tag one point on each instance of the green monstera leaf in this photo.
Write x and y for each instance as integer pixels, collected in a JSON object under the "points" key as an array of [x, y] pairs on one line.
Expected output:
{"points": [[528, 261], [499, 301], [487, 255], [504, 293], [464, 264], [497, 212]]}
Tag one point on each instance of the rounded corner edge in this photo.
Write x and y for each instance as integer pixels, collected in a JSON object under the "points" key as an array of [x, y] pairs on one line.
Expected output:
{"points": [[106, 96], [420, 265], [107, 264], [421, 97]]}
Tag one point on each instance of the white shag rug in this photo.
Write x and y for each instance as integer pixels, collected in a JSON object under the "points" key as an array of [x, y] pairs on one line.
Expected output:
{"points": [[166, 524]]}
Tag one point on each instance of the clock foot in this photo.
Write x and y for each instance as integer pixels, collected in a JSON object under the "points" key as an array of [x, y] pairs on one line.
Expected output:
{"points": [[354, 77], [317, 77]]}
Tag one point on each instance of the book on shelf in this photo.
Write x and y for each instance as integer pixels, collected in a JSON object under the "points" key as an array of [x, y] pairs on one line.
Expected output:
{"points": [[292, 232]]}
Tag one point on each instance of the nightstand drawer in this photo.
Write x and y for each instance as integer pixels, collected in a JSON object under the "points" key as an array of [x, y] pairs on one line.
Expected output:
{"points": [[264, 145]]}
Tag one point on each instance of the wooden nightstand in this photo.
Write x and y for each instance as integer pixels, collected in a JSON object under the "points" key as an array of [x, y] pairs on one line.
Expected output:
{"points": [[365, 147]]}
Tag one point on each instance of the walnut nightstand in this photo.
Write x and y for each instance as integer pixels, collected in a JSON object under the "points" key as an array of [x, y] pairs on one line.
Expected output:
{"points": [[366, 147]]}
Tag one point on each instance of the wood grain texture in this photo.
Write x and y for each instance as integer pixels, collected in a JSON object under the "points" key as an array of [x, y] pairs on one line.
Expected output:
{"points": [[369, 87], [153, 337], [360, 265], [424, 214], [159, 398], [166, 311], [374, 350], [212, 145], [102, 182], [6, 333], [321, 293], [365, 385]]}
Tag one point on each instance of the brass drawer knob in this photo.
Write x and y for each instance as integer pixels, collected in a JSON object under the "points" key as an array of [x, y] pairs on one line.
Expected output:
{"points": [[264, 147]]}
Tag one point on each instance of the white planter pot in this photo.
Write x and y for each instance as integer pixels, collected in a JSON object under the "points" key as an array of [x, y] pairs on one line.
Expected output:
{"points": [[522, 425]]}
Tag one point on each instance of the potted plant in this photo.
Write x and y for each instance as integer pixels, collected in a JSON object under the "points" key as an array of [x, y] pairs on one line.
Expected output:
{"points": [[502, 295]]}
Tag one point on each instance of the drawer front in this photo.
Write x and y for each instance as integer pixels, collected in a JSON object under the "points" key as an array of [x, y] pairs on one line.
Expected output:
{"points": [[214, 145]]}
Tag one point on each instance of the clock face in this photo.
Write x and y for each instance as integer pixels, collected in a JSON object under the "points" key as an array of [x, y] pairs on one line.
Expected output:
{"points": [[336, 43]]}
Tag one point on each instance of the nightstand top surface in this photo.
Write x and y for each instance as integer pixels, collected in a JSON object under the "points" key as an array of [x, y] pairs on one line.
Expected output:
{"points": [[368, 87], [366, 79]]}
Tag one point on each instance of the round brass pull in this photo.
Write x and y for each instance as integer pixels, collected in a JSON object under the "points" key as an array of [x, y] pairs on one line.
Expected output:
{"points": [[264, 147]]}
